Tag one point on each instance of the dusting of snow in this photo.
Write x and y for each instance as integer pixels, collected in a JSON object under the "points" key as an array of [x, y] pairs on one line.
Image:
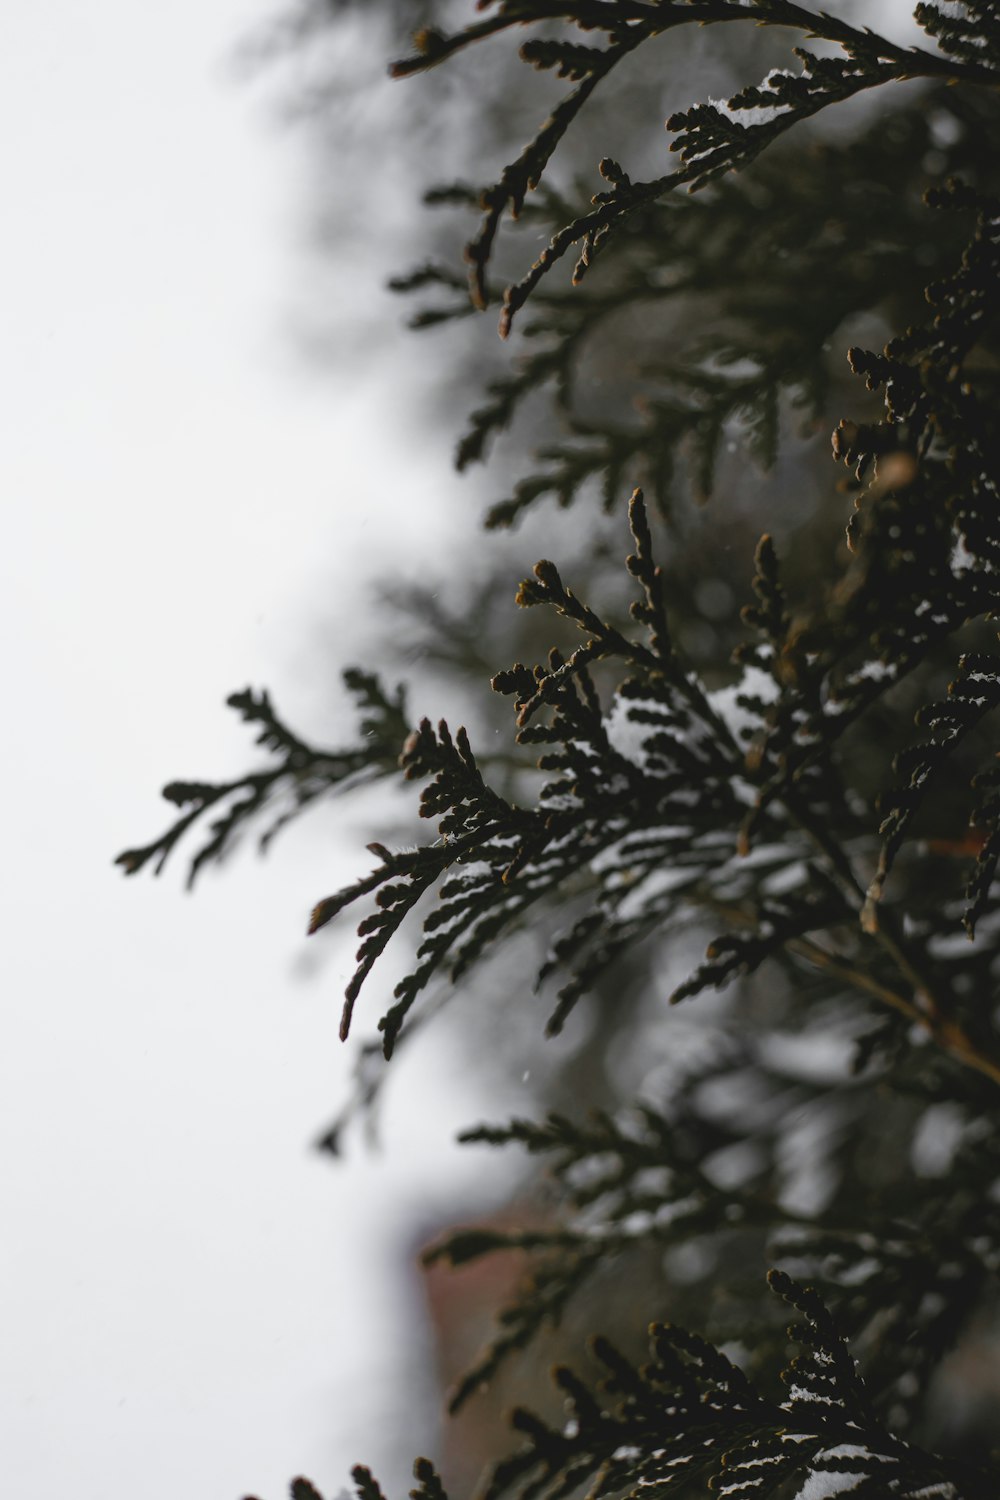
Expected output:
{"points": [[874, 671], [622, 855], [755, 114], [803, 1155], [651, 886], [733, 1166], [936, 1140], [625, 733], [949, 945], [803, 1395], [753, 683], [877, 671], [791, 877], [738, 368], [822, 1485], [862, 1270], [961, 558], [680, 1208], [814, 1057]]}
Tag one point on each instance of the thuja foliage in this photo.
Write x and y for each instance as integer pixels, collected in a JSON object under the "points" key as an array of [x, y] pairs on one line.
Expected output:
{"points": [[664, 1424], [816, 788]]}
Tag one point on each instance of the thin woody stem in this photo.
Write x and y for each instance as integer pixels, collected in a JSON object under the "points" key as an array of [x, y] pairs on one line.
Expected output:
{"points": [[909, 61], [932, 1015], [947, 1035]]}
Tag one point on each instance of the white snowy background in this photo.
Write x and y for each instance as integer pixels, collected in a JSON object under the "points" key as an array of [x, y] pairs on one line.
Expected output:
{"points": [[193, 1303]]}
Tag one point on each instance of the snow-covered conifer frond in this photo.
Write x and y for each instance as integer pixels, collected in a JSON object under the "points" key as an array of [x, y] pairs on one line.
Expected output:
{"points": [[689, 1421]]}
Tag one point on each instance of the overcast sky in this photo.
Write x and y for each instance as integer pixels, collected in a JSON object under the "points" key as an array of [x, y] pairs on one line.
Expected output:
{"points": [[193, 1303]]}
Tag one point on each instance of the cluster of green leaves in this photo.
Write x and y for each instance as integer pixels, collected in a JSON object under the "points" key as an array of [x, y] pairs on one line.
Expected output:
{"points": [[744, 802]]}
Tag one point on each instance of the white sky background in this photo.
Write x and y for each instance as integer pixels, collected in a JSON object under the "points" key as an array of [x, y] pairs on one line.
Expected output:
{"points": [[193, 1304]]}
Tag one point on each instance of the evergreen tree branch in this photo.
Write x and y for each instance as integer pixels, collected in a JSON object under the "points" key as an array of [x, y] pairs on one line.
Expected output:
{"points": [[298, 776], [711, 142], [690, 1417]]}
